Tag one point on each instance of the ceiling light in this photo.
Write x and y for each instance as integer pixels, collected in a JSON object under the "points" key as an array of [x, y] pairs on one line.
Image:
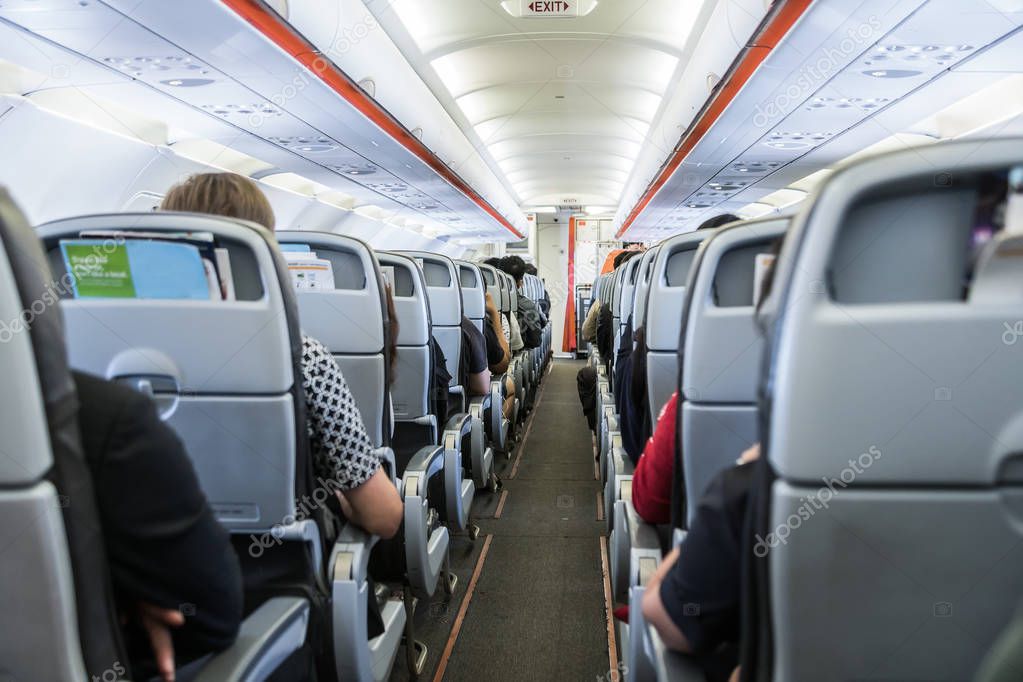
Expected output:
{"points": [[542, 209], [597, 210]]}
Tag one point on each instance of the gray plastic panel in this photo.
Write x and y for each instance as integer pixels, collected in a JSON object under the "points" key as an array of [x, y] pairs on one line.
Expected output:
{"points": [[628, 287], [364, 375], [437, 275], [661, 380], [450, 340], [410, 390], [441, 287], [723, 347], [714, 437], [243, 450], [872, 262], [343, 321], [349, 319], [189, 340], [869, 599], [667, 295], [933, 384], [26, 447], [642, 290], [38, 632], [411, 304], [473, 291]]}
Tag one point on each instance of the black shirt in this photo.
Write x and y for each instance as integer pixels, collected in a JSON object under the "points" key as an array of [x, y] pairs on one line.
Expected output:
{"points": [[701, 591], [163, 543], [474, 348], [495, 353]]}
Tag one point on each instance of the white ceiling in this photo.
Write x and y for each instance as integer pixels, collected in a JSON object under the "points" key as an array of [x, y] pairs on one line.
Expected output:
{"points": [[562, 106]]}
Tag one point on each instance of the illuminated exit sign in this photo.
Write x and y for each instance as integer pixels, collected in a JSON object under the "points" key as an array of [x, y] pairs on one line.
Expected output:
{"points": [[549, 8]]}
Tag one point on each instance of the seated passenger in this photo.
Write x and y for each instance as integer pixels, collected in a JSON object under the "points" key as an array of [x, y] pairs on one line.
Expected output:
{"points": [[342, 450], [531, 320], [652, 479], [176, 579], [693, 598], [499, 353], [586, 378], [545, 301], [475, 368]]}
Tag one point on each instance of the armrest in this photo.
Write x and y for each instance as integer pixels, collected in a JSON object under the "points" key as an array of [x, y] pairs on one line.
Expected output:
{"points": [[423, 466], [458, 427], [349, 560], [268, 636], [671, 665]]}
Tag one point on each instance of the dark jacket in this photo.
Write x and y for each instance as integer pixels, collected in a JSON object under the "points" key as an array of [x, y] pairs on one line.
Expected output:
{"points": [[163, 543]]}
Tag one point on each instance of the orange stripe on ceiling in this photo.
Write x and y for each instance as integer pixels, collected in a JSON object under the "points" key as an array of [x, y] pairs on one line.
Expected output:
{"points": [[761, 45], [279, 32]]}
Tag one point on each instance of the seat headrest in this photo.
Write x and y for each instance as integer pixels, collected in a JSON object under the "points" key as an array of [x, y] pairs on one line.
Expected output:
{"points": [[871, 285], [38, 292], [410, 298]]}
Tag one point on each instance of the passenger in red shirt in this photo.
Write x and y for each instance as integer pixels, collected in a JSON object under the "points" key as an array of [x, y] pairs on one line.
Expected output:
{"points": [[651, 481]]}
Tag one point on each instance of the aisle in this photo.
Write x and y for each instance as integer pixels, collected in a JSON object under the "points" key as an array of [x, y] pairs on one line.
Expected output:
{"points": [[537, 611]]}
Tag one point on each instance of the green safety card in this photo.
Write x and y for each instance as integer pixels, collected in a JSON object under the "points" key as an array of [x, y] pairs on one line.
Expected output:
{"points": [[100, 269]]}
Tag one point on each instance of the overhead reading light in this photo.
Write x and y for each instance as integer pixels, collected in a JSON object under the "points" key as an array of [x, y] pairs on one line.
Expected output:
{"points": [[893, 73], [187, 82]]}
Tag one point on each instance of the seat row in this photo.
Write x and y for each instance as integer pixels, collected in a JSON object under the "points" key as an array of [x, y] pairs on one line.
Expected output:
{"points": [[226, 375], [881, 380]]}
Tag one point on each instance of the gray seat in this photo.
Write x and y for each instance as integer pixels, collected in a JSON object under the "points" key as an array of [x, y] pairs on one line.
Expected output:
{"points": [[900, 404], [443, 295], [663, 317], [721, 349], [240, 426], [499, 429], [351, 322], [474, 290], [54, 597]]}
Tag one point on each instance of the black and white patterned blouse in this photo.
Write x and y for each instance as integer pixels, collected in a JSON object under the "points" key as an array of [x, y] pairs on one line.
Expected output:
{"points": [[340, 446]]}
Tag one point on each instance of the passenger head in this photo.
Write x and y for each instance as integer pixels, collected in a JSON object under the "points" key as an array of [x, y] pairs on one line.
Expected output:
{"points": [[718, 221], [493, 261], [531, 270], [395, 329], [514, 266], [624, 257], [225, 194]]}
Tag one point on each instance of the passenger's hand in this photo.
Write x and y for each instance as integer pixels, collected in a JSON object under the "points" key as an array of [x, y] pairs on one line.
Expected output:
{"points": [[491, 308], [158, 622], [750, 454]]}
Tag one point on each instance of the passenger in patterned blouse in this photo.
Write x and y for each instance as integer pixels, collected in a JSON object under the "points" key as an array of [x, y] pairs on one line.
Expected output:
{"points": [[341, 448]]}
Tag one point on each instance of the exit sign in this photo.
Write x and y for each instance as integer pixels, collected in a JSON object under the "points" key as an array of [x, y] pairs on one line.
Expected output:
{"points": [[549, 8]]}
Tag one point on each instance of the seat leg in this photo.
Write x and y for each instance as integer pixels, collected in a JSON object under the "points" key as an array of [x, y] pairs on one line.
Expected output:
{"points": [[447, 577], [415, 651]]}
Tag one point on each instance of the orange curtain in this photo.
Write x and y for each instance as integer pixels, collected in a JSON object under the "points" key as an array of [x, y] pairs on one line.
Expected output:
{"points": [[568, 343]]}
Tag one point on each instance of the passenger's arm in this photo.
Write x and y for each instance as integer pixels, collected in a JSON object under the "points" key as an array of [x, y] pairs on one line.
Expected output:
{"points": [[167, 550], [374, 506], [495, 320], [590, 323], [655, 612], [479, 383], [347, 459]]}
